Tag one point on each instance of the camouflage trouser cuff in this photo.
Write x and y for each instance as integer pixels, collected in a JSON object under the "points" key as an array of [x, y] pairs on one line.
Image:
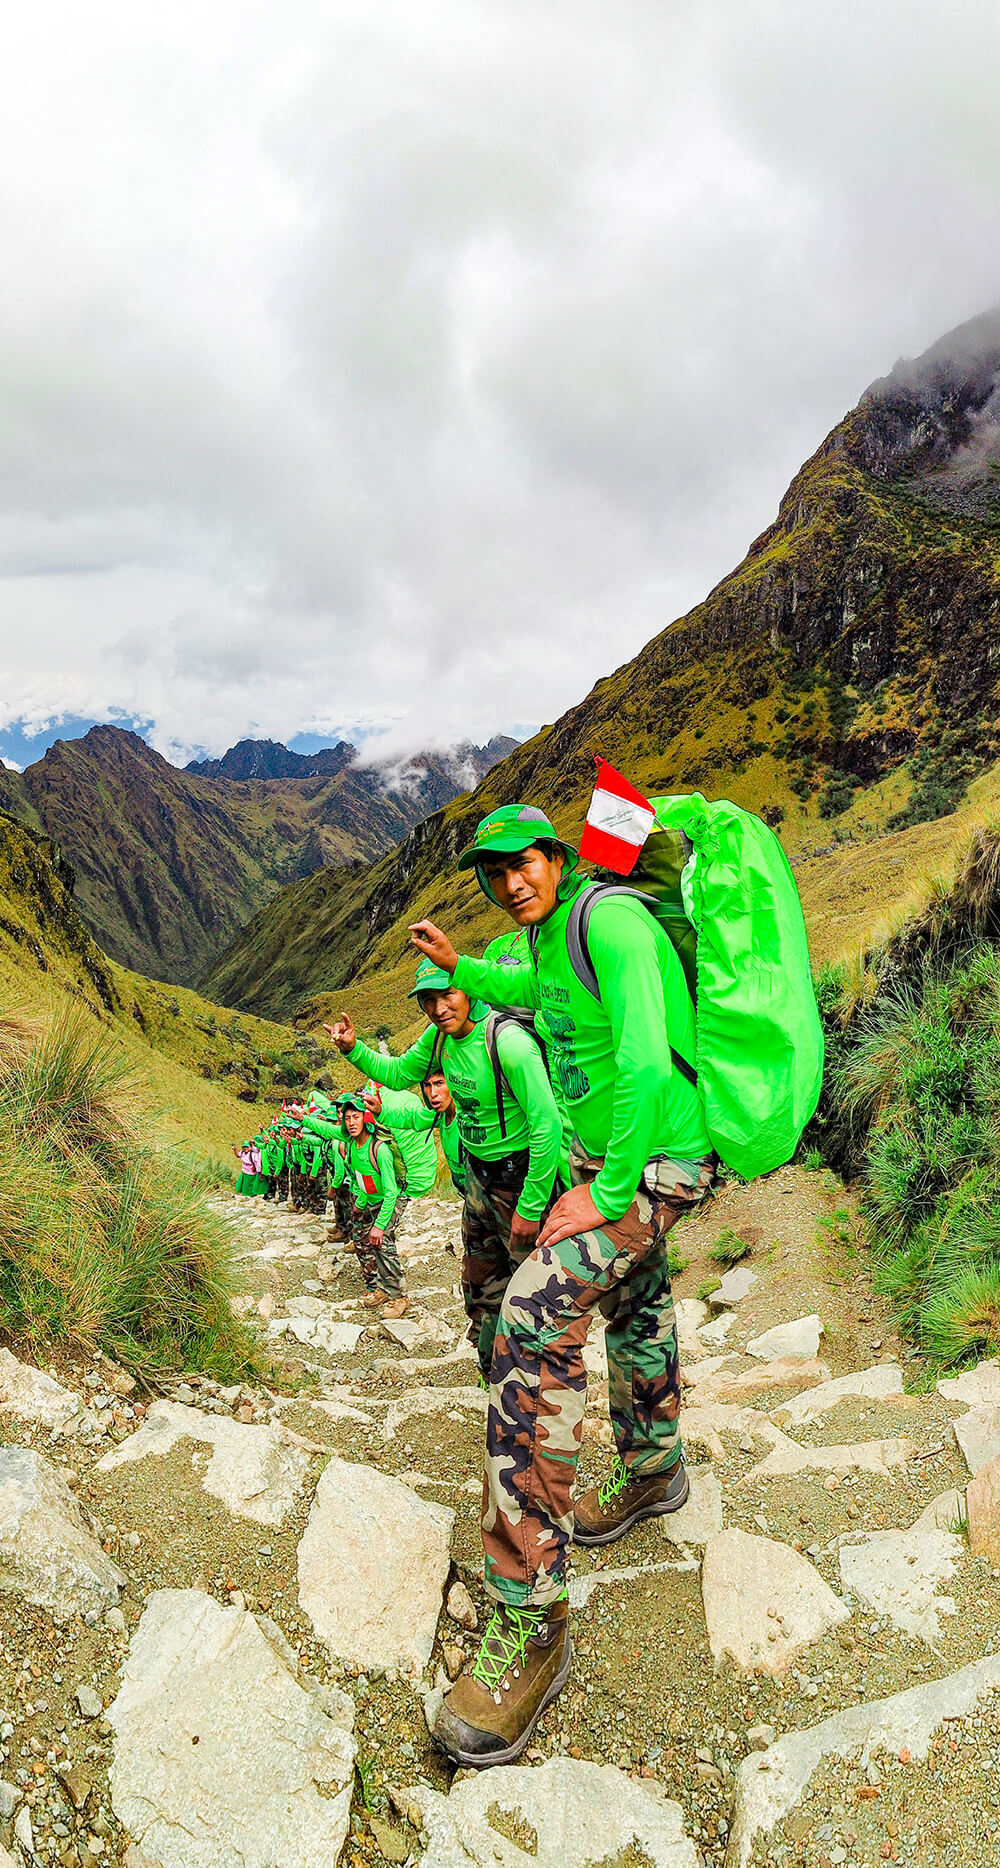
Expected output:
{"points": [[541, 1594]]}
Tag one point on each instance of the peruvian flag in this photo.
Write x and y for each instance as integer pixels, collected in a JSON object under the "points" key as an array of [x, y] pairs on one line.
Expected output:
{"points": [[619, 819]]}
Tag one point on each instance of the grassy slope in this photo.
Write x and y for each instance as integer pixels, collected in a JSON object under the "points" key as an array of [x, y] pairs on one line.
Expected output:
{"points": [[48, 961]]}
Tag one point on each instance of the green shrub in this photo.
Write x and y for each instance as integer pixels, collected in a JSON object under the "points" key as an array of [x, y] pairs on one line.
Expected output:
{"points": [[104, 1242], [728, 1249], [912, 1107]]}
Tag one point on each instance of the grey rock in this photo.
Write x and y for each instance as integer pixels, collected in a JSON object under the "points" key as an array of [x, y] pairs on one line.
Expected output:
{"points": [[29, 1394], [568, 1807], [978, 1435], [874, 1384], [897, 1573], [978, 1387], [366, 1532], [768, 1787], [461, 1607], [10, 1797], [764, 1603], [797, 1339], [223, 1757], [47, 1554], [701, 1517], [253, 1470], [89, 1702], [735, 1285]]}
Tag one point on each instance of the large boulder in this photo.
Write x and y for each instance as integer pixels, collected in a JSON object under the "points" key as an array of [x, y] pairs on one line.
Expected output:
{"points": [[224, 1757], [47, 1554], [372, 1565], [556, 1816], [253, 1470]]}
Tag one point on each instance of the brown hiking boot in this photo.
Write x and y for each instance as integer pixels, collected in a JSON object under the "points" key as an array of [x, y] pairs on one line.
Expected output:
{"points": [[611, 1509], [524, 1660], [396, 1307], [372, 1299]]}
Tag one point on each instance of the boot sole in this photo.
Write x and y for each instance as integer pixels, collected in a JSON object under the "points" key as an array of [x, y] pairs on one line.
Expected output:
{"points": [[661, 1510], [475, 1761]]}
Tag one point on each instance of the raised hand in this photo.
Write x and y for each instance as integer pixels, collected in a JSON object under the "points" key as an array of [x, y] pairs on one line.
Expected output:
{"points": [[343, 1033], [429, 940]]}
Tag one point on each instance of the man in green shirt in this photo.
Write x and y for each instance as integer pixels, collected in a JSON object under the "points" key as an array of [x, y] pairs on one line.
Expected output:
{"points": [[403, 1114], [434, 1114], [640, 1159], [511, 1142], [378, 1204]]}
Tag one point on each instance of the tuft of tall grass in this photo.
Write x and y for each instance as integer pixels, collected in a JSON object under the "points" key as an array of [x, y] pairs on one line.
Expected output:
{"points": [[103, 1242]]}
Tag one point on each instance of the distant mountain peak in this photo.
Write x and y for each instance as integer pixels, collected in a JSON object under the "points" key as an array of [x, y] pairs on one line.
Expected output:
{"points": [[268, 758]]}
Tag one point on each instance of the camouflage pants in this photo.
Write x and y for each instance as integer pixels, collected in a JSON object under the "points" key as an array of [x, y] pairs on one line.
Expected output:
{"points": [[489, 1260], [538, 1386], [381, 1267]]}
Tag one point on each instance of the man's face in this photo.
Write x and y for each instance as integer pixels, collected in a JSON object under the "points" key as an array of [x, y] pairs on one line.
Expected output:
{"points": [[437, 1095], [355, 1122], [525, 883], [448, 1010]]}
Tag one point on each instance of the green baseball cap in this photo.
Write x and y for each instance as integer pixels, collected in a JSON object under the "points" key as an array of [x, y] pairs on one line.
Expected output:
{"points": [[513, 827], [430, 978]]}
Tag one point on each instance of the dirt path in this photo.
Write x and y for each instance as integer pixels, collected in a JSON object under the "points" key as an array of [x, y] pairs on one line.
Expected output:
{"points": [[648, 1694]]}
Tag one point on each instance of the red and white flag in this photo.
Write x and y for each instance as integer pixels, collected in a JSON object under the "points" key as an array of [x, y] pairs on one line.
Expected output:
{"points": [[619, 819]]}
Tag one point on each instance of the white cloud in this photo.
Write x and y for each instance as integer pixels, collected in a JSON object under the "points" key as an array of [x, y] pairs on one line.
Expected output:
{"points": [[413, 365]]}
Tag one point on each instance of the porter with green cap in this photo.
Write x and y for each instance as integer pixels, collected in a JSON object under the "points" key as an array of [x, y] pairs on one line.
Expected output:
{"points": [[640, 1158], [508, 1125]]}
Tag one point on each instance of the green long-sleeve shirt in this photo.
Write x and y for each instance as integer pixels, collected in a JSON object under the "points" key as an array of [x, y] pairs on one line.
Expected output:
{"points": [[415, 1143], [531, 1117], [406, 1115], [611, 1063], [358, 1166]]}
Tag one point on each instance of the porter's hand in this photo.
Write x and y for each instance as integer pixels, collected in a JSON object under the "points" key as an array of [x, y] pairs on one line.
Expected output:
{"points": [[523, 1231], [376, 1236], [573, 1212], [430, 941], [343, 1033]]}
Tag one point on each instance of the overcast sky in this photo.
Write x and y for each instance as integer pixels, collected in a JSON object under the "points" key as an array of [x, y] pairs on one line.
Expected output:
{"points": [[413, 364]]}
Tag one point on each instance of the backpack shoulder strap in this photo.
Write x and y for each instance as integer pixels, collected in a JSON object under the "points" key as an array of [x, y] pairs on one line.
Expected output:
{"points": [[493, 1053], [577, 928]]}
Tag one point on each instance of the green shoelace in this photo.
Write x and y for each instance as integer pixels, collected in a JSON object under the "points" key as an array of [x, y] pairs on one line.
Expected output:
{"points": [[502, 1647], [613, 1488]]}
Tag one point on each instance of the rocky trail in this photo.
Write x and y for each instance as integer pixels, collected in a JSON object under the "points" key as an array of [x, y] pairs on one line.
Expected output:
{"points": [[228, 1614]]}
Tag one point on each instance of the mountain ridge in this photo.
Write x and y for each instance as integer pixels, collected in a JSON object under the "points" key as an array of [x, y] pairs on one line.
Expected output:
{"points": [[170, 864], [840, 680]]}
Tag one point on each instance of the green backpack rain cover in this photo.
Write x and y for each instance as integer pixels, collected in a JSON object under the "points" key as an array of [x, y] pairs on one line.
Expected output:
{"points": [[718, 881]]}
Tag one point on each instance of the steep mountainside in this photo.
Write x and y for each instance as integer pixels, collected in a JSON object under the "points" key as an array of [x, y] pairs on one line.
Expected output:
{"points": [[170, 864], [208, 1072], [845, 671]]}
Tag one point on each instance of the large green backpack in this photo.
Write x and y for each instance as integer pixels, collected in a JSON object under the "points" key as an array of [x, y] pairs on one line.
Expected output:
{"points": [[718, 881]]}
